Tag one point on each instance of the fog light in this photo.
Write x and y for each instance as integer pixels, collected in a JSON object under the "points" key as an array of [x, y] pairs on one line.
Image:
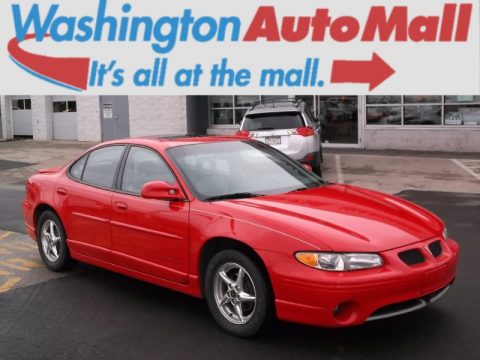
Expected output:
{"points": [[344, 311]]}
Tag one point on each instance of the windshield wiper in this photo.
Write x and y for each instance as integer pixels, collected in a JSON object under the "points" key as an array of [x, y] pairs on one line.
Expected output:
{"points": [[299, 189], [233, 196]]}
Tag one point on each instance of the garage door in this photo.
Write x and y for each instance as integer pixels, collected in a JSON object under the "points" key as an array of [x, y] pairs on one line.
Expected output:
{"points": [[64, 118], [22, 116]]}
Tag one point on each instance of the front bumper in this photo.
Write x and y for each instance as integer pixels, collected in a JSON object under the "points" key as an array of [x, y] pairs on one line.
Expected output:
{"points": [[315, 297]]}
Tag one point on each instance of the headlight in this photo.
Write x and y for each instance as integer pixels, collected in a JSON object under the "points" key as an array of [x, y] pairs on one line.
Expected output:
{"points": [[339, 262], [445, 234]]}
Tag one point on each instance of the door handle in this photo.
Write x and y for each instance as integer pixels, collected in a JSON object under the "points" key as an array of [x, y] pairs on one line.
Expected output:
{"points": [[62, 191], [121, 206]]}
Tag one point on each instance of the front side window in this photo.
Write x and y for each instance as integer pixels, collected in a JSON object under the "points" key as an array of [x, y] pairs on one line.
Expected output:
{"points": [[101, 167], [239, 169], [144, 166]]}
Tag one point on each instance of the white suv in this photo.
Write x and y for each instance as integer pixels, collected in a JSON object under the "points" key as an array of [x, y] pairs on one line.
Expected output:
{"points": [[288, 126]]}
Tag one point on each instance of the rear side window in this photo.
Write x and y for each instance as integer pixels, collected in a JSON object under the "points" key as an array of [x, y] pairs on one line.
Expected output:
{"points": [[273, 121], [76, 171], [144, 166], [102, 166]]}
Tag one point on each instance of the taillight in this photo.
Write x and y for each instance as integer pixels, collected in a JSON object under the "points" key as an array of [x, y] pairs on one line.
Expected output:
{"points": [[244, 134], [306, 131]]}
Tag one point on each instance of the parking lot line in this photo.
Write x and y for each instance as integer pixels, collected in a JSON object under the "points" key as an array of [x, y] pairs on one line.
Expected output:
{"points": [[5, 273], [466, 168], [4, 251], [470, 161], [4, 236], [338, 166], [17, 264], [9, 284]]}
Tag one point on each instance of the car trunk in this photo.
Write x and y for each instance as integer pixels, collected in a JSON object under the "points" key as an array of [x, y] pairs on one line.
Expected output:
{"points": [[279, 139]]}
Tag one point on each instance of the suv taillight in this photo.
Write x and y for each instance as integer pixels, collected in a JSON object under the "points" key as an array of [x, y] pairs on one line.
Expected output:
{"points": [[306, 131], [244, 134]]}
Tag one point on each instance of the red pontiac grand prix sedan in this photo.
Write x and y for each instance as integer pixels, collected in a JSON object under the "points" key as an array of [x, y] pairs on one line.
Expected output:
{"points": [[245, 227]]}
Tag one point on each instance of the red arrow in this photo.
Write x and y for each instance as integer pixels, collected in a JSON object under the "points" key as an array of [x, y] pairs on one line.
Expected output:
{"points": [[373, 72], [69, 72]]}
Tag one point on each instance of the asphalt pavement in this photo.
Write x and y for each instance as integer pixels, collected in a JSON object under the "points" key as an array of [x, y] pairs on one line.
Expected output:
{"points": [[11, 217], [95, 314]]}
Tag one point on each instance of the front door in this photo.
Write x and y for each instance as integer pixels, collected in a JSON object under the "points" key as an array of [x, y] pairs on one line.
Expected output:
{"points": [[115, 117], [149, 236], [339, 119]]}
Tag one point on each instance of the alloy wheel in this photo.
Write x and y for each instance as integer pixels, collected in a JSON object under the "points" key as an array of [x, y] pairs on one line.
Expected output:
{"points": [[51, 238], [235, 293]]}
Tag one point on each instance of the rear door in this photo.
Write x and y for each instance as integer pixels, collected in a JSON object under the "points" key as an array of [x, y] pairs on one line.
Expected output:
{"points": [[149, 236], [85, 197]]}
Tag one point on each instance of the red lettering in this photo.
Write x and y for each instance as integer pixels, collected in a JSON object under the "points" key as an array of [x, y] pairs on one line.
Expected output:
{"points": [[463, 24], [381, 25], [264, 25], [448, 22], [289, 33], [345, 29], [320, 22], [378, 22], [423, 28]]}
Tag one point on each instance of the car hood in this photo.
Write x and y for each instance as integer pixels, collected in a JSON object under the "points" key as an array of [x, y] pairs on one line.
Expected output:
{"points": [[340, 218]]}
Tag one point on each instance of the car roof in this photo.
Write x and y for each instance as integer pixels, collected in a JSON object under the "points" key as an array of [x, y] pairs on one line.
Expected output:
{"points": [[272, 107], [164, 142], [273, 111]]}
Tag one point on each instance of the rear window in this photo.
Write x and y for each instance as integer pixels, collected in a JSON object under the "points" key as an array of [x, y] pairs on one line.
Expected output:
{"points": [[273, 121]]}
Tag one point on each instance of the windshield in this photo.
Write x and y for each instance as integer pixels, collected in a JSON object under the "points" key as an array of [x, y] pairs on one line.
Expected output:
{"points": [[273, 121], [223, 170]]}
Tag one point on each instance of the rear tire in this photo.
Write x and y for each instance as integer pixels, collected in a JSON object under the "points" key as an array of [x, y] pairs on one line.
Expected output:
{"points": [[317, 165], [52, 242], [238, 294]]}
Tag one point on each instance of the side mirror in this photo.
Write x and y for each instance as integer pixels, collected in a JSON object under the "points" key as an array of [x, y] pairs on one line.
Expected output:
{"points": [[308, 167], [160, 190]]}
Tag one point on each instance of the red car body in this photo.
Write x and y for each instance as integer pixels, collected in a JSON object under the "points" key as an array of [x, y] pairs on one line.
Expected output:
{"points": [[163, 242]]}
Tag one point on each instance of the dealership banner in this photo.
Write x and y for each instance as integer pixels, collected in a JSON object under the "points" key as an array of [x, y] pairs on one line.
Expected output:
{"points": [[244, 47]]}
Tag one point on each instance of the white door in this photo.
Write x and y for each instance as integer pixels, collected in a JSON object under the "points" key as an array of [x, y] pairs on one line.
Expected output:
{"points": [[22, 116], [64, 118]]}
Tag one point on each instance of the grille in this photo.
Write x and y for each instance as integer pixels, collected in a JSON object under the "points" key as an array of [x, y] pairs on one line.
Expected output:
{"points": [[412, 257], [436, 248]]}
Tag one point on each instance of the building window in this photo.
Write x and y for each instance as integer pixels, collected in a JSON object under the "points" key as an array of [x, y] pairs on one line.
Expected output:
{"points": [[21, 104], [462, 110], [423, 110], [230, 110], [65, 107]]}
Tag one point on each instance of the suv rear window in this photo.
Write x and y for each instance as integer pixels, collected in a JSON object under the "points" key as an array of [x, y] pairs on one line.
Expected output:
{"points": [[273, 121]]}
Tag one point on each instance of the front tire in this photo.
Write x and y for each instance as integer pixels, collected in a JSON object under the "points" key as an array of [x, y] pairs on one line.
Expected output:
{"points": [[52, 242], [238, 294]]}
